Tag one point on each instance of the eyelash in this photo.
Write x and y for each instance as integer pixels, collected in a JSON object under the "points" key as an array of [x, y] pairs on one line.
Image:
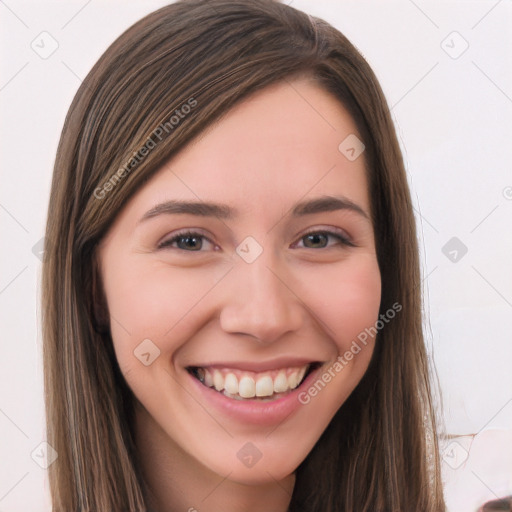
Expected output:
{"points": [[194, 234]]}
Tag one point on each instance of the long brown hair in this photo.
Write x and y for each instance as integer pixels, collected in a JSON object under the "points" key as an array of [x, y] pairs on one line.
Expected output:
{"points": [[380, 451]]}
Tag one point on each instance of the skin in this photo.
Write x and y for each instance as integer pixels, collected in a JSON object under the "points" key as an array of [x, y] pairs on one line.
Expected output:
{"points": [[298, 298]]}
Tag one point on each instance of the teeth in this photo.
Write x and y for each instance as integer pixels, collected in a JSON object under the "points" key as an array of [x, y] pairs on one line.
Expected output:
{"points": [[231, 384], [218, 380], [208, 379], [301, 374], [247, 387], [200, 374], [280, 383], [264, 386], [292, 380], [241, 385]]}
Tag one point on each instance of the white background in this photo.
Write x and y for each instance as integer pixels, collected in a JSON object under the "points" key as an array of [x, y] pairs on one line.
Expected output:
{"points": [[454, 119]]}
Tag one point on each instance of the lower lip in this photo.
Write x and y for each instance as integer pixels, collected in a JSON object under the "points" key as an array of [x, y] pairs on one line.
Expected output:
{"points": [[253, 411]]}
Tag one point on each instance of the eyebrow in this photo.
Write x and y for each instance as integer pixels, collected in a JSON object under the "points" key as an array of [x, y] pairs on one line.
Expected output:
{"points": [[222, 211]]}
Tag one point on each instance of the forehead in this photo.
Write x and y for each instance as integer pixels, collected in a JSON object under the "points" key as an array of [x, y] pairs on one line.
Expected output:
{"points": [[277, 147]]}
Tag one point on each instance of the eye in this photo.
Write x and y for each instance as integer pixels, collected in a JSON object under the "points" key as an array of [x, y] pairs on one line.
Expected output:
{"points": [[320, 239], [191, 241]]}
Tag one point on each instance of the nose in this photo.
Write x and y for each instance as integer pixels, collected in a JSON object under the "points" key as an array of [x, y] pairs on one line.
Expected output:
{"points": [[260, 303]]}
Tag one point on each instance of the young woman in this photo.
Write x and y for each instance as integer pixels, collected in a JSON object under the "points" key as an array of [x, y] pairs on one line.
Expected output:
{"points": [[231, 285]]}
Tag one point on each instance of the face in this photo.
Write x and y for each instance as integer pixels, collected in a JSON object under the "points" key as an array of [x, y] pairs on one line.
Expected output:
{"points": [[238, 278]]}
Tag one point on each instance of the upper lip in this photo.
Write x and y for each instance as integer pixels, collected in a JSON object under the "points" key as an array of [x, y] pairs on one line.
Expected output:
{"points": [[258, 366]]}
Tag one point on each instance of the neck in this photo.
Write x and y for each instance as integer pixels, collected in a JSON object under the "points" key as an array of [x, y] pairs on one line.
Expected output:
{"points": [[178, 482]]}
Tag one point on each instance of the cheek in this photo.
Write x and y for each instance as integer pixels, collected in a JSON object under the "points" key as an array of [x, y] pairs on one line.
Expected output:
{"points": [[347, 306], [347, 299], [153, 302], [162, 303]]}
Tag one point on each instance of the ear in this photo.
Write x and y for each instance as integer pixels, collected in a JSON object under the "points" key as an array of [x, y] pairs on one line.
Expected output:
{"points": [[99, 306]]}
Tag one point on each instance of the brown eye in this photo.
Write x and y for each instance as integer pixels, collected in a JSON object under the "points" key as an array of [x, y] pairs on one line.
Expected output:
{"points": [[186, 241], [320, 239], [316, 240]]}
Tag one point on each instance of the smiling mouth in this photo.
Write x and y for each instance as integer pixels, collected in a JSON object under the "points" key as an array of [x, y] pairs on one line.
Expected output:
{"points": [[257, 386]]}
